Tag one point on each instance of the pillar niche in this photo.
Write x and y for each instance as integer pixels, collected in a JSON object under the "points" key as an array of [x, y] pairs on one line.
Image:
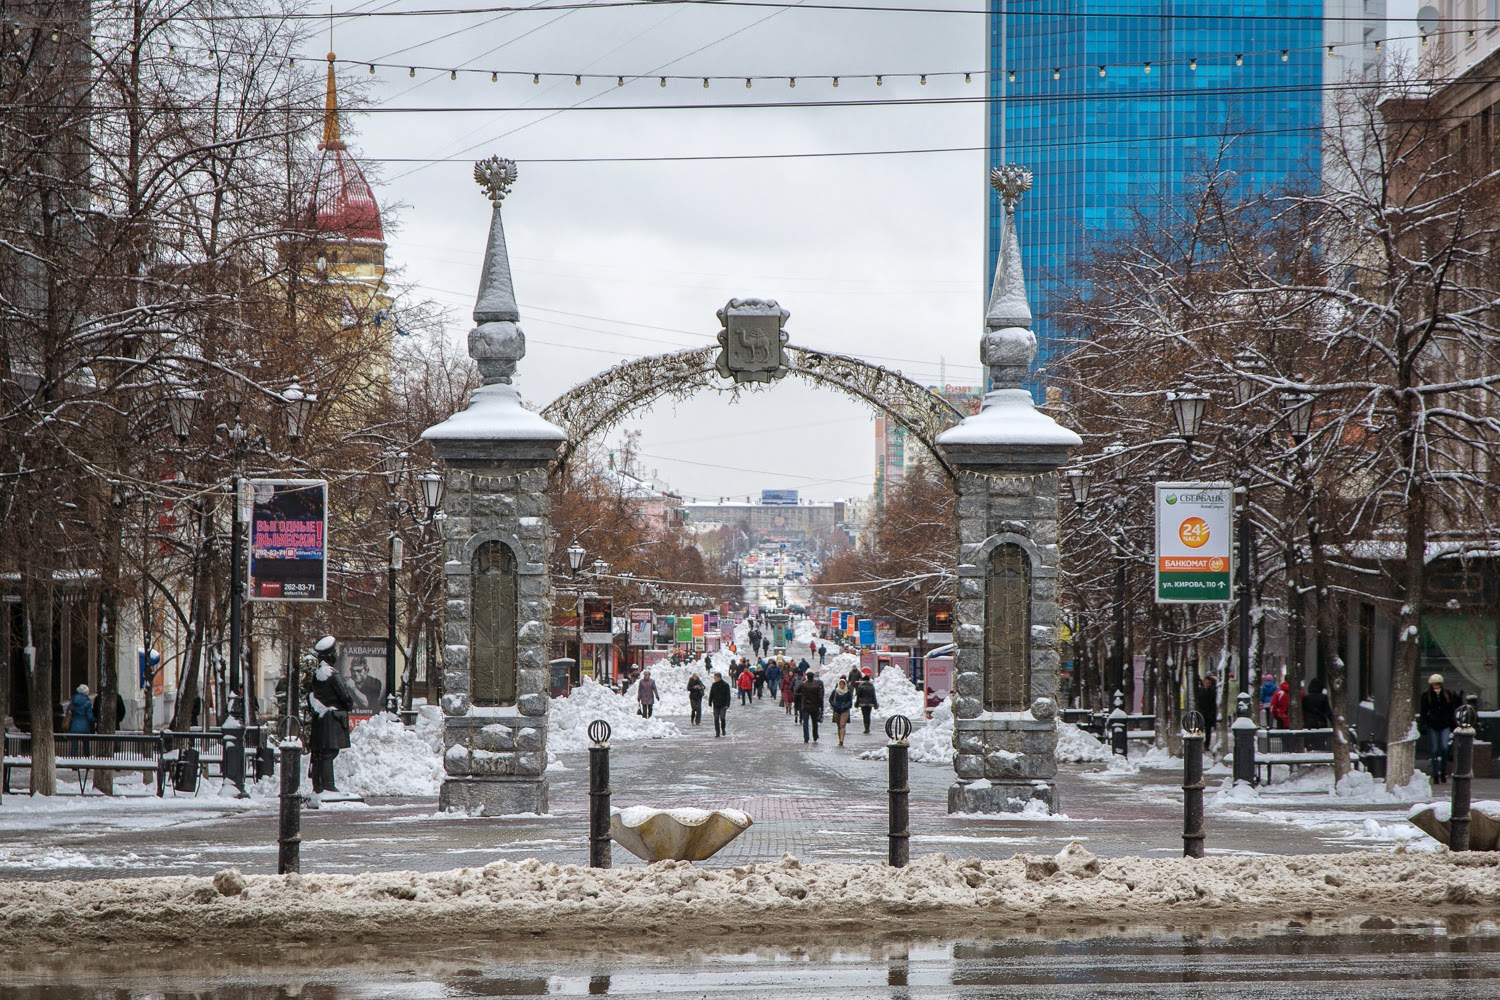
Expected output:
{"points": [[496, 539], [1007, 457]]}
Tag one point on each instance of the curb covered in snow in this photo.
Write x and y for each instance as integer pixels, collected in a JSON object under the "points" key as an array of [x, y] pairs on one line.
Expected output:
{"points": [[522, 899]]}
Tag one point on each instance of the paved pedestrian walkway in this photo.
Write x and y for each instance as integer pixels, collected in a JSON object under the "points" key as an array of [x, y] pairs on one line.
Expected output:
{"points": [[818, 802]]}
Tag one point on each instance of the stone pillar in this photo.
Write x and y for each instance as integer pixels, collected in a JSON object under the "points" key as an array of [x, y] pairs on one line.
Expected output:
{"points": [[496, 553], [1007, 457]]}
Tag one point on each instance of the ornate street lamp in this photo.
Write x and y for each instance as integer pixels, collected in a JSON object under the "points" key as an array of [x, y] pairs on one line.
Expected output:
{"points": [[396, 464], [181, 407], [1298, 409], [433, 486], [1247, 364], [1078, 482], [1115, 452], [576, 556], [1188, 404], [299, 407]]}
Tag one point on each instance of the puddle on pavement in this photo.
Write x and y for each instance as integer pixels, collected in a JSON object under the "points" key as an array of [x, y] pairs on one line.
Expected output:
{"points": [[1454, 958]]}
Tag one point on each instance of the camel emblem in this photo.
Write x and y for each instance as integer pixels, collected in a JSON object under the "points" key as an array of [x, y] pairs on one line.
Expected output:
{"points": [[752, 340]]}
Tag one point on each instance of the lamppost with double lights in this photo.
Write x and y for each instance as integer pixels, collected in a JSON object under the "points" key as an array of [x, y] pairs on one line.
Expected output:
{"points": [[397, 467]]}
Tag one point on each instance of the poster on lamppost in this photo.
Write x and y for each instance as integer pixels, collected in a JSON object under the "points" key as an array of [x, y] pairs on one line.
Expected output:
{"points": [[641, 626], [288, 529], [598, 619], [1194, 539]]}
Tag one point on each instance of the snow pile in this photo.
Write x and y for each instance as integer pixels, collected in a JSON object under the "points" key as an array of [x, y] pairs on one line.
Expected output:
{"points": [[1075, 746], [931, 743], [429, 724], [897, 696], [386, 758], [513, 901], [568, 719], [672, 682], [1359, 788]]}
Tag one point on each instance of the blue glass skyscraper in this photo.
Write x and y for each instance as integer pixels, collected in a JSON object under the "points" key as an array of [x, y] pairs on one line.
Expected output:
{"points": [[1116, 105]]}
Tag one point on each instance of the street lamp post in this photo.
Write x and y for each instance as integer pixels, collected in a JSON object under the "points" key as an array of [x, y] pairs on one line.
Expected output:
{"points": [[576, 555], [397, 468]]}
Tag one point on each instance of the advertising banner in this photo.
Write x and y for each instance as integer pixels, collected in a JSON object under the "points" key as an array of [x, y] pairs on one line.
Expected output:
{"points": [[939, 619], [598, 619], [1194, 539], [698, 630], [939, 680], [288, 539], [710, 622], [833, 618], [684, 629], [362, 662], [641, 626], [867, 631], [885, 632]]}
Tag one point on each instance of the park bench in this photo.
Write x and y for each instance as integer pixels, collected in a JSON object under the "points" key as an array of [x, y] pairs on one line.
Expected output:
{"points": [[1293, 748], [85, 753]]}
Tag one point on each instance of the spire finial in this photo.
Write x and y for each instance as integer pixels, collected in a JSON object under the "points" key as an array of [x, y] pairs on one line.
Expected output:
{"points": [[331, 111], [496, 176], [1009, 346], [1011, 181]]}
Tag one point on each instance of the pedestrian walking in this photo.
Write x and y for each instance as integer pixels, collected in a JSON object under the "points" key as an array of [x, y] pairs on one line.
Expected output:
{"points": [[1281, 706], [645, 693], [864, 697], [788, 701], [119, 711], [718, 701], [1436, 717], [746, 680], [810, 704], [695, 699], [1267, 692], [773, 680], [854, 676], [1317, 713], [331, 699], [822, 654], [80, 717], [840, 702], [1208, 707], [760, 682]]}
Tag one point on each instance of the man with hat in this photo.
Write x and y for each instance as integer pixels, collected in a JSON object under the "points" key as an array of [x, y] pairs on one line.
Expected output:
{"points": [[1437, 716]]}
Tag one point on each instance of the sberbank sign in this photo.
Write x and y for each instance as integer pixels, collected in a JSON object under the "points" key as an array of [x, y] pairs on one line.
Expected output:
{"points": [[1194, 540]]}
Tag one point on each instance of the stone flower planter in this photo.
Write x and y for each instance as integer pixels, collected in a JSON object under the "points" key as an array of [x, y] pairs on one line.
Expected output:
{"points": [[675, 834]]}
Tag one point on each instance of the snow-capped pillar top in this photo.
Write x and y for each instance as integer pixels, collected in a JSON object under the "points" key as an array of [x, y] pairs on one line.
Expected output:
{"points": [[1008, 419], [1009, 346], [496, 341]]}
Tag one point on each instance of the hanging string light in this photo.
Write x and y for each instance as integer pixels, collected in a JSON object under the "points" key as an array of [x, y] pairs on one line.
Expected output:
{"points": [[1193, 63], [1056, 73], [966, 78], [453, 74], [1101, 71], [1011, 76], [1239, 60], [1147, 69], [747, 83], [880, 81], [1285, 55]]}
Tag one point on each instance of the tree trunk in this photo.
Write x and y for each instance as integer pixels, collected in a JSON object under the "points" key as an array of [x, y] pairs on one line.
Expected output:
{"points": [[39, 611], [188, 691], [1400, 727], [104, 779]]}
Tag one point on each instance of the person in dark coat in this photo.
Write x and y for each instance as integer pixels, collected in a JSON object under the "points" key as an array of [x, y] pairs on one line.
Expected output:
{"points": [[864, 697], [773, 679], [718, 700], [645, 693], [331, 699], [1208, 707], [119, 711], [1317, 713], [695, 699], [810, 704], [822, 653], [80, 718], [1436, 716], [840, 702]]}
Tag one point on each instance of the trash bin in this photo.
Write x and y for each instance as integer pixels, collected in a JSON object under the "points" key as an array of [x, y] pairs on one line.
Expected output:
{"points": [[185, 770]]}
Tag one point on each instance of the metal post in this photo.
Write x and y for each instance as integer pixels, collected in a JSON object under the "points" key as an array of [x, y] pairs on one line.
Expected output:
{"points": [[1192, 786], [1118, 666], [1244, 730], [289, 838], [1244, 555], [391, 704], [1463, 774], [236, 591], [234, 755], [897, 729], [599, 791], [1117, 727]]}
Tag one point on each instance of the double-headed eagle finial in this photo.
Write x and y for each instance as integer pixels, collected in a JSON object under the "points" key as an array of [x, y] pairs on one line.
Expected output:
{"points": [[1011, 181], [495, 175]]}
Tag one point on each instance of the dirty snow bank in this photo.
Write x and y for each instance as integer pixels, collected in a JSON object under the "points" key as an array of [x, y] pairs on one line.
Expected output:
{"points": [[512, 899], [568, 719], [931, 743], [1078, 747]]}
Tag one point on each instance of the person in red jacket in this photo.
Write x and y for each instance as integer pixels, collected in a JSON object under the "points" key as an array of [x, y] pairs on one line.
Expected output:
{"points": [[744, 683], [1281, 706]]}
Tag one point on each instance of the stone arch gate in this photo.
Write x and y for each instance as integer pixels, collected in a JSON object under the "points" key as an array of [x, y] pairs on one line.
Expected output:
{"points": [[499, 454]]}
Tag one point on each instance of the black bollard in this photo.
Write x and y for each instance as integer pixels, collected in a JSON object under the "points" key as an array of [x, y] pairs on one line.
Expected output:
{"points": [[289, 840], [599, 848], [1463, 775], [234, 755], [897, 729], [1192, 786], [1244, 730]]}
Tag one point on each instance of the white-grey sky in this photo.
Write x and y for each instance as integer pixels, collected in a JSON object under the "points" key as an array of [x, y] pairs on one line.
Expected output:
{"points": [[875, 256]]}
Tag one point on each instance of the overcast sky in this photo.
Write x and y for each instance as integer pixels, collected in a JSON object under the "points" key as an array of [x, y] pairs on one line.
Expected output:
{"points": [[876, 256]]}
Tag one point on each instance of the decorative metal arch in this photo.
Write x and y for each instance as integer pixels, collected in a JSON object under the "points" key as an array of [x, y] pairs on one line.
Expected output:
{"points": [[593, 407]]}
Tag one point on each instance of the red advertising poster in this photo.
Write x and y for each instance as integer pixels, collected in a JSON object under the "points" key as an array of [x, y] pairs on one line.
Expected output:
{"points": [[288, 539]]}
